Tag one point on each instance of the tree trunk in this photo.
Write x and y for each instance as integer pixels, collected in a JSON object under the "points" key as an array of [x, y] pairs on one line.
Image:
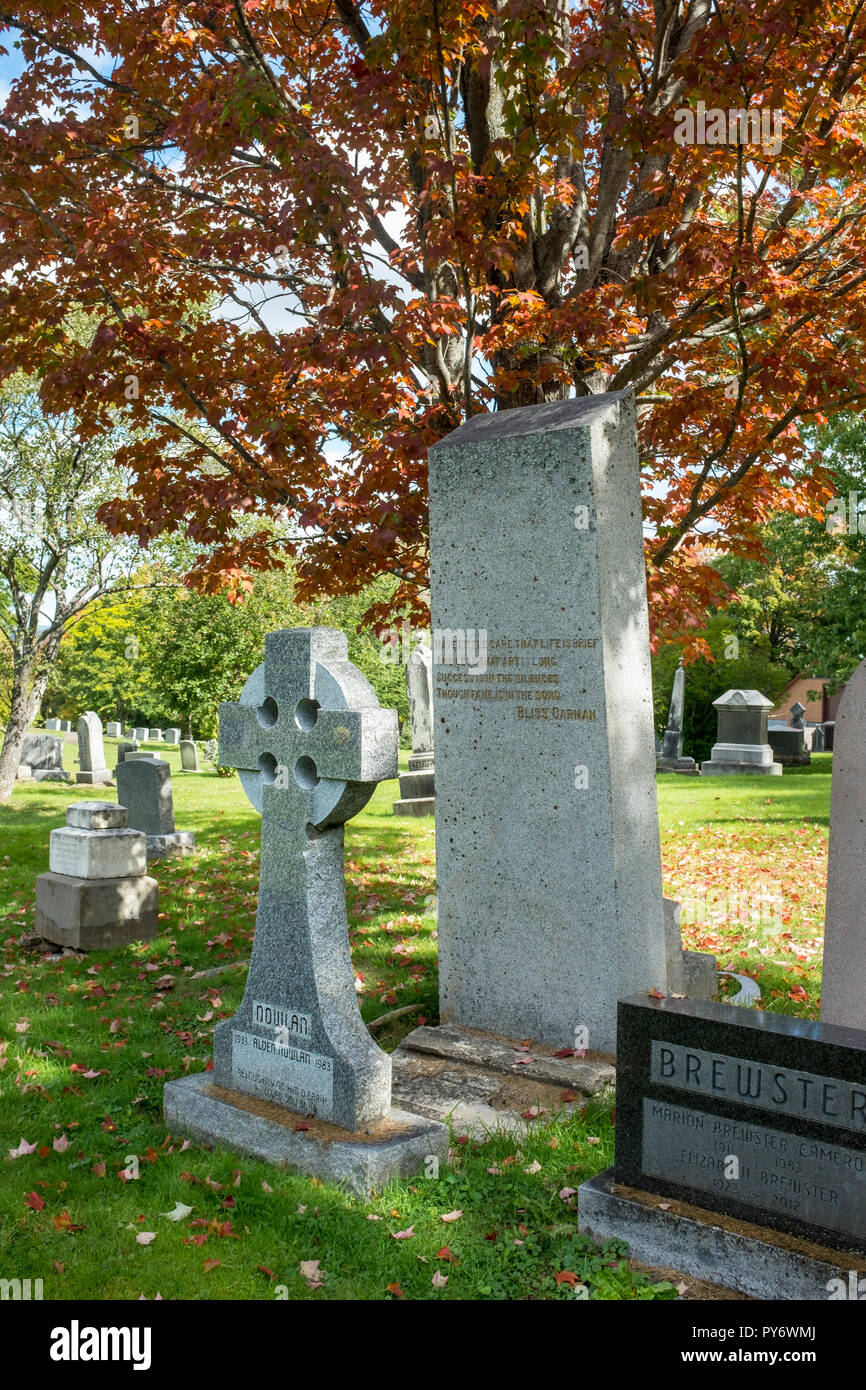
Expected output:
{"points": [[24, 703]]}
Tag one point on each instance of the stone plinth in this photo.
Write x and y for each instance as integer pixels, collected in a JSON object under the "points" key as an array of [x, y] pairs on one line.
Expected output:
{"points": [[96, 894]]}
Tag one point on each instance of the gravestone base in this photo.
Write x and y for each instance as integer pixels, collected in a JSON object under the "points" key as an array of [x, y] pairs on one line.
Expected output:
{"points": [[737, 1255], [419, 806], [751, 759], [417, 787], [701, 975], [476, 1081], [49, 774], [100, 776], [687, 766], [364, 1161], [732, 769], [171, 846], [96, 914]]}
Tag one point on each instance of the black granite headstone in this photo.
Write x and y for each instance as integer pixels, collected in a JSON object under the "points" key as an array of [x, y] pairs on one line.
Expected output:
{"points": [[758, 1115]]}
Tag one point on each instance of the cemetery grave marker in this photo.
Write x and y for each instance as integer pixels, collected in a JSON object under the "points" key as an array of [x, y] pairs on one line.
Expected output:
{"points": [[310, 742], [758, 1116]]}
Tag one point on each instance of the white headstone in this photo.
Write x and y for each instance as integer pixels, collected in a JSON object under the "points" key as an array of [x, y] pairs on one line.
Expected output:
{"points": [[91, 751]]}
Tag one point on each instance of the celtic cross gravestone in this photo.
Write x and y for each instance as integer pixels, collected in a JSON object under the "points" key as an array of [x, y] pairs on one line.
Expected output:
{"points": [[310, 742]]}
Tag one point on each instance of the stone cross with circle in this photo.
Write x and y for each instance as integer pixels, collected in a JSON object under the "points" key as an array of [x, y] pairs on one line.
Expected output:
{"points": [[310, 742]]}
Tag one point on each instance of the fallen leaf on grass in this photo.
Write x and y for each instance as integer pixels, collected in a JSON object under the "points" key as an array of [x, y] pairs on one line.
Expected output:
{"points": [[567, 1276], [23, 1148], [452, 1216], [60, 1144], [446, 1254], [180, 1211], [566, 1192], [145, 1237], [63, 1222], [309, 1270], [403, 1235], [439, 1280], [395, 1291], [533, 1167], [210, 1264], [34, 1201]]}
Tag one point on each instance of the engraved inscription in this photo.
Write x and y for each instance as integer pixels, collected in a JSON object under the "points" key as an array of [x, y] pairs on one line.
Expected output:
{"points": [[292, 1076], [283, 1020], [526, 672], [766, 1086], [783, 1174]]}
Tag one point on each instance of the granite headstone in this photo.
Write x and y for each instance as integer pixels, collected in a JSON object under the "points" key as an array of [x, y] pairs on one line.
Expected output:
{"points": [[311, 742], [144, 788], [547, 842]]}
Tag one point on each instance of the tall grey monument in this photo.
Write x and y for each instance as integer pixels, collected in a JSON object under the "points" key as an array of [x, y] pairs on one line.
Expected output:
{"points": [[547, 842], [671, 759], [418, 787]]}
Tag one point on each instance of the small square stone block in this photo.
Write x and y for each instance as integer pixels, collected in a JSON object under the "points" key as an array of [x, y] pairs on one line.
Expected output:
{"points": [[97, 815], [97, 853], [97, 776], [89, 915]]}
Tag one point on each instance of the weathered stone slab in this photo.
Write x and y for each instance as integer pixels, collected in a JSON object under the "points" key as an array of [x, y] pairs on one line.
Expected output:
{"points": [[97, 853], [42, 752], [416, 806], [114, 729], [748, 1258], [96, 815], [144, 788], [172, 846], [96, 914], [364, 1161], [548, 862], [586, 1074], [173, 735]]}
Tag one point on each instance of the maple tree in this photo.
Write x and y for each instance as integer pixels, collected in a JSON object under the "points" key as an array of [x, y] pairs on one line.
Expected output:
{"points": [[419, 211]]}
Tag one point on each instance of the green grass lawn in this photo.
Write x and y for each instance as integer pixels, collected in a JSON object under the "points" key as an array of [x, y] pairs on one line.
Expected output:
{"points": [[88, 1042]]}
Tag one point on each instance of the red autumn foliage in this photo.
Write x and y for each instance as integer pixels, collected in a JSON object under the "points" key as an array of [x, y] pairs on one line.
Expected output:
{"points": [[419, 211]]}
